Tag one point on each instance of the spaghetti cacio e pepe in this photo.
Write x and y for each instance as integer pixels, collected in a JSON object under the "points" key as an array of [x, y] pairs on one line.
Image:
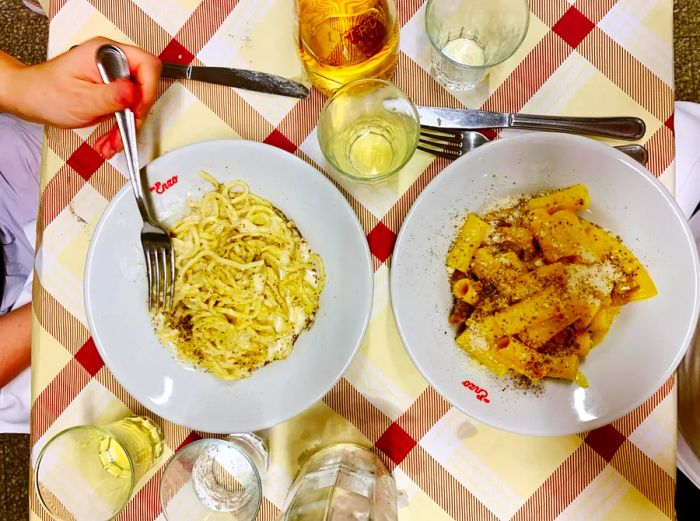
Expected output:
{"points": [[247, 283]]}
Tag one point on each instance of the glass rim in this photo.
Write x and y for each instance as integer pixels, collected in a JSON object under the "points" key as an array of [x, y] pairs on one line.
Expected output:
{"points": [[210, 441], [414, 113], [53, 438], [476, 67]]}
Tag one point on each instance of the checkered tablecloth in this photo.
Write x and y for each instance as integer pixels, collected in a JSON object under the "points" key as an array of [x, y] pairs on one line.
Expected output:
{"points": [[584, 57]]}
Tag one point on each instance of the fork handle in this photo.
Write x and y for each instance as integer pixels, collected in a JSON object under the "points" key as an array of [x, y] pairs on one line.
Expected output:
{"points": [[636, 152], [627, 128], [113, 65]]}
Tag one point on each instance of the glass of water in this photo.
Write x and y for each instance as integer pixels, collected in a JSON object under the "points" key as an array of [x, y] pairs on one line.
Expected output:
{"points": [[215, 480], [342, 481], [470, 36], [368, 130]]}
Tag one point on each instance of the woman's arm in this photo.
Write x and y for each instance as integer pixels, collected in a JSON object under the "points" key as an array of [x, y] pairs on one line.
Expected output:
{"points": [[15, 343]]}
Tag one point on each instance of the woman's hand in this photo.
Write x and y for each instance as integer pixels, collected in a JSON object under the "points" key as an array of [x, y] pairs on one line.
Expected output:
{"points": [[67, 91]]}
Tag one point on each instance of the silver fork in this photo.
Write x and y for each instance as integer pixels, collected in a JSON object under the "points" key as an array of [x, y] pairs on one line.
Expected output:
{"points": [[452, 143], [156, 243]]}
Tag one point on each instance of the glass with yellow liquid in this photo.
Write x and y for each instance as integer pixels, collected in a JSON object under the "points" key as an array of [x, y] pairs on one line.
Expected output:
{"points": [[368, 130], [89, 473], [344, 40]]}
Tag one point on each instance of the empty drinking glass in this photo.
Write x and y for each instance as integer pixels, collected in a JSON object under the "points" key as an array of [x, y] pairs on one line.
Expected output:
{"points": [[215, 480], [342, 482], [469, 36]]}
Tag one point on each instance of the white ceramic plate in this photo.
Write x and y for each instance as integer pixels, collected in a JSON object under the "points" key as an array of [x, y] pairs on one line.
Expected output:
{"points": [[645, 344], [115, 292]]}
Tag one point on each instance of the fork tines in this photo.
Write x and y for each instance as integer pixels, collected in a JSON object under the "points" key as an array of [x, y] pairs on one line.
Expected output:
{"points": [[442, 143], [160, 273]]}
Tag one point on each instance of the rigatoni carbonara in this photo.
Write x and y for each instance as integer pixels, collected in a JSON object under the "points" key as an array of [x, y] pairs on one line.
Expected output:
{"points": [[247, 283]]}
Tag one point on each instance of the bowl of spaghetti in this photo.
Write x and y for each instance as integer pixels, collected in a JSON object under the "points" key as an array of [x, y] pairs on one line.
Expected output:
{"points": [[273, 288]]}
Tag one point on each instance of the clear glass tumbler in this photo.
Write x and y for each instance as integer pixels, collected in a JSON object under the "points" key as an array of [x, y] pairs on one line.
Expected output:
{"points": [[342, 482], [88, 473], [344, 40], [368, 130], [215, 480], [468, 37]]}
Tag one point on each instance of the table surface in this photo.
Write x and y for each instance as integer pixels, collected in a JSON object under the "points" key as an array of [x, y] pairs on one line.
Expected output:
{"points": [[579, 58]]}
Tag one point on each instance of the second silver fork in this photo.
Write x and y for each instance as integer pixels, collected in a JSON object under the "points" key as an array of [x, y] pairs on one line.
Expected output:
{"points": [[155, 241], [452, 143]]}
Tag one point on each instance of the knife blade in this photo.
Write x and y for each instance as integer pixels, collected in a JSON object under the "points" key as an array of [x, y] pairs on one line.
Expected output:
{"points": [[239, 78], [629, 128], [462, 118]]}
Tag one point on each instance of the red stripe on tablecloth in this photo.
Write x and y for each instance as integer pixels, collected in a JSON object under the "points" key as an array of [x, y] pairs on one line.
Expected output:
{"points": [[232, 109], [595, 11], [65, 183], [358, 410], [661, 146], [35, 506], [456, 500], [565, 484], [630, 75], [145, 505], [527, 78], [646, 476], [420, 86], [54, 7], [268, 511], [407, 9], [107, 181], [629, 423], [549, 11], [138, 26], [301, 120], [57, 320], [58, 193], [203, 23], [424, 413], [56, 397], [396, 214]]}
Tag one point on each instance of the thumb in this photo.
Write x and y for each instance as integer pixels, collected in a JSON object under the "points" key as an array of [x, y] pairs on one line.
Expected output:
{"points": [[111, 97]]}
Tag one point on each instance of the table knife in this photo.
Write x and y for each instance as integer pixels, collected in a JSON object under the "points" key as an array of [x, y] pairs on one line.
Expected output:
{"points": [[628, 128], [240, 78]]}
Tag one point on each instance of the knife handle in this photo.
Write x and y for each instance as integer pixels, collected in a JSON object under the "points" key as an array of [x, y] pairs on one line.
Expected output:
{"points": [[627, 128]]}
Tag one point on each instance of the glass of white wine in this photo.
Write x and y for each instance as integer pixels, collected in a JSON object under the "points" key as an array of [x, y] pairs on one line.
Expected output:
{"points": [[89, 473], [215, 479], [368, 130], [468, 37]]}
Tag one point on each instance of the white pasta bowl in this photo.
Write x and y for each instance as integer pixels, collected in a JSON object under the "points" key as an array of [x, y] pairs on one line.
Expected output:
{"points": [[645, 343], [115, 291]]}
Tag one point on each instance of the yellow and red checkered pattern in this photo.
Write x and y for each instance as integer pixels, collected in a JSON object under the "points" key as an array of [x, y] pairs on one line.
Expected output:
{"points": [[580, 57]]}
